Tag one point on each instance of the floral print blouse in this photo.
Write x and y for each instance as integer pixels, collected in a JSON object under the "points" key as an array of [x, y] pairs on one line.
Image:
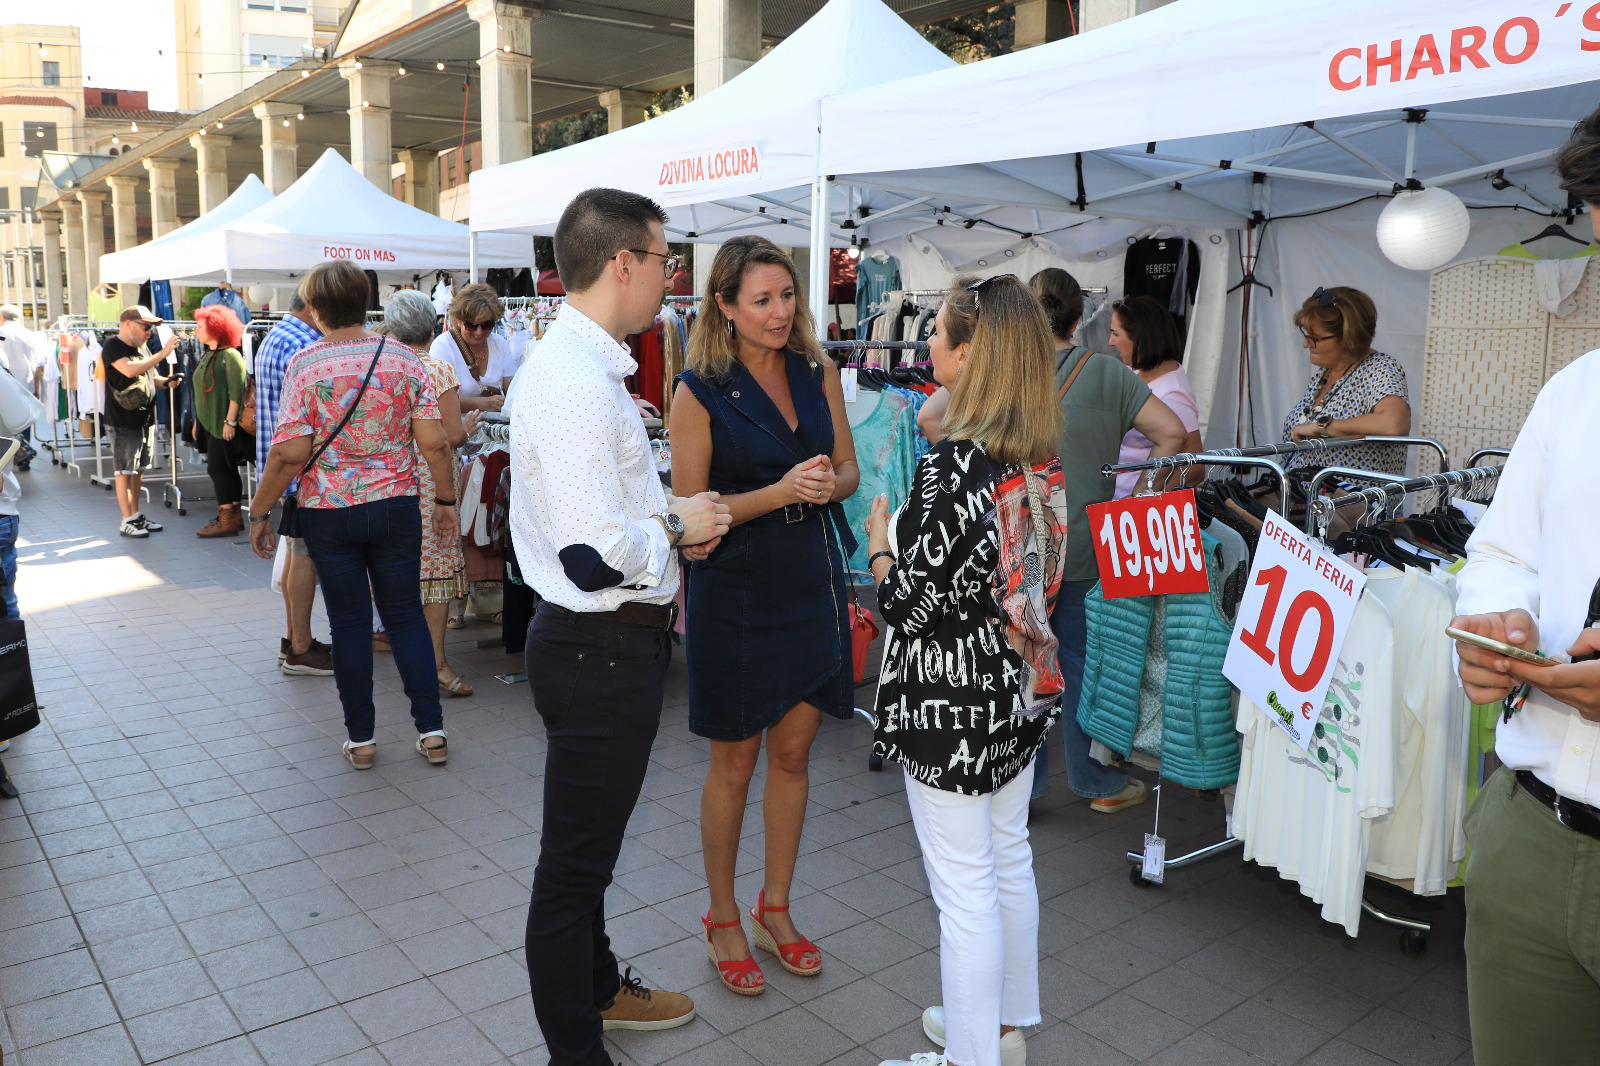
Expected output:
{"points": [[1361, 389], [373, 457]]}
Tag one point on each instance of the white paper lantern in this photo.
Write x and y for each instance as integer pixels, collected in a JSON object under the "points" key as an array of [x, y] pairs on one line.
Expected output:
{"points": [[1423, 228], [260, 295]]}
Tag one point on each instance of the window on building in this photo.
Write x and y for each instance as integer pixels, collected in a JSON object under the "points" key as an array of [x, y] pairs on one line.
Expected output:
{"points": [[38, 137], [108, 99], [270, 50], [450, 171], [2, 140], [297, 7], [5, 198], [52, 72], [26, 196]]}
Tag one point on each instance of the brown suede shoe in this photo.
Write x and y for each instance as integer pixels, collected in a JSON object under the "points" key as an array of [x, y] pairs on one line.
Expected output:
{"points": [[314, 663], [638, 1007]]}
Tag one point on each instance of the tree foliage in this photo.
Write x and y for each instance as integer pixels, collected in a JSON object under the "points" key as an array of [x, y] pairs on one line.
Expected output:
{"points": [[975, 35]]}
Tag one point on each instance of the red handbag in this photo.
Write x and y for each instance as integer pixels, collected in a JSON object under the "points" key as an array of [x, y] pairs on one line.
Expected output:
{"points": [[863, 631]]}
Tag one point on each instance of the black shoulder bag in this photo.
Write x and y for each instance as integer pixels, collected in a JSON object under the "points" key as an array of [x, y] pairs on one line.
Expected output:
{"points": [[289, 523]]}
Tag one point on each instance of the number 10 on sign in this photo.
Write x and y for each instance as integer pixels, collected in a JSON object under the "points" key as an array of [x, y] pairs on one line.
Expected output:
{"points": [[1148, 545]]}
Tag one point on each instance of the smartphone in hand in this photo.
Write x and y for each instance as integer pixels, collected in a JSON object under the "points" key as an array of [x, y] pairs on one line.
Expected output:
{"points": [[1510, 651]]}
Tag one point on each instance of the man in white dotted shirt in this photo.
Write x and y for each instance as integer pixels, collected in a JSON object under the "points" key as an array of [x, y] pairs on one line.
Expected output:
{"points": [[595, 535]]}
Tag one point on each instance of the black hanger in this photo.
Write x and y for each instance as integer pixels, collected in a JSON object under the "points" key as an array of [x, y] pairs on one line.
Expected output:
{"points": [[1250, 279], [1554, 230]]}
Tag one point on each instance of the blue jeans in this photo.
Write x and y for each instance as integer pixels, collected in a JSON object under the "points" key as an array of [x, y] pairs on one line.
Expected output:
{"points": [[8, 566], [376, 544], [1085, 776]]}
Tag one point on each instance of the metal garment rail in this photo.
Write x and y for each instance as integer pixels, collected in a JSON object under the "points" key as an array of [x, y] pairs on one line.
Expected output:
{"points": [[1473, 479], [1188, 459], [1314, 490], [1484, 453]]}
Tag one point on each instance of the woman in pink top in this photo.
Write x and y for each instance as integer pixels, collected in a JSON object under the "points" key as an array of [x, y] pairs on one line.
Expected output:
{"points": [[1144, 334]]}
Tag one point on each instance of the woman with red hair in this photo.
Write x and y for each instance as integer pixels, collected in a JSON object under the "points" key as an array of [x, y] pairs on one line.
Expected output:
{"points": [[220, 383]]}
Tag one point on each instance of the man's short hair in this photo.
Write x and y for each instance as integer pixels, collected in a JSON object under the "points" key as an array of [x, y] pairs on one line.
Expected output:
{"points": [[11, 312], [297, 303], [1578, 161], [596, 225]]}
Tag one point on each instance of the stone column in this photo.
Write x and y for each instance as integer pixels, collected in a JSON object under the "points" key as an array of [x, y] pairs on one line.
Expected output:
{"points": [[1042, 21], [125, 225], [370, 149], [279, 166], [420, 184], [77, 276], [52, 263], [624, 108], [163, 195], [211, 167], [94, 234], [505, 44], [727, 40]]}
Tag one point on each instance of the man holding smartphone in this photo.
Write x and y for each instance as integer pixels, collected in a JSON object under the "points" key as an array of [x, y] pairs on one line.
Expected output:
{"points": [[126, 357], [1532, 580]]}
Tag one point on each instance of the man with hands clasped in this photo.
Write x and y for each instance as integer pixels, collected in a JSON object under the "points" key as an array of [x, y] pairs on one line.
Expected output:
{"points": [[1532, 580], [595, 536]]}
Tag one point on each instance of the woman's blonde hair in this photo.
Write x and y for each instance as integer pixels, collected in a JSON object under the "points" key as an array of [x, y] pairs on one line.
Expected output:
{"points": [[1006, 397], [713, 348]]}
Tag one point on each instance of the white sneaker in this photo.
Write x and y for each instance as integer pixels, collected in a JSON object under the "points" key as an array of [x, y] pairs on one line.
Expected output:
{"points": [[130, 528], [921, 1058], [1013, 1045]]}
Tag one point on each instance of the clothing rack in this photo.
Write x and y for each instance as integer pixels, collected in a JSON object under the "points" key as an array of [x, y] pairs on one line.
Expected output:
{"points": [[1473, 479], [1484, 453], [1187, 459]]}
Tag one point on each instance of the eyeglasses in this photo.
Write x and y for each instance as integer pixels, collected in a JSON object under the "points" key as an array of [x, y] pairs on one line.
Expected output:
{"points": [[977, 287], [1314, 339], [669, 263]]}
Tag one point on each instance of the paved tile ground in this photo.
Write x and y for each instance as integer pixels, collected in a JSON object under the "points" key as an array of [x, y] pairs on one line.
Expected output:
{"points": [[193, 875]]}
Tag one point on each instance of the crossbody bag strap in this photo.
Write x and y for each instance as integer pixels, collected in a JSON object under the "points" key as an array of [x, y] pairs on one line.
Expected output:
{"points": [[348, 411], [1083, 361]]}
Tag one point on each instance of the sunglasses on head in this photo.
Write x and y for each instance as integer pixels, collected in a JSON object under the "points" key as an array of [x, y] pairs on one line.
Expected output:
{"points": [[977, 287], [1323, 297]]}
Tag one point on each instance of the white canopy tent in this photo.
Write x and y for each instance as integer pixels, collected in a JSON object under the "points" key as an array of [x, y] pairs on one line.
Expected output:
{"points": [[741, 158], [172, 254], [333, 212], [1219, 117]]}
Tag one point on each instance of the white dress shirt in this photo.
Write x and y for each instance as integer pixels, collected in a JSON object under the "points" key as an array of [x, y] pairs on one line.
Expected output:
{"points": [[1535, 549], [582, 472], [22, 351]]}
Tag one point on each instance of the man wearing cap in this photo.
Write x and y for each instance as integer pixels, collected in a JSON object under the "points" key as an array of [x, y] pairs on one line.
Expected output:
{"points": [[125, 358]]}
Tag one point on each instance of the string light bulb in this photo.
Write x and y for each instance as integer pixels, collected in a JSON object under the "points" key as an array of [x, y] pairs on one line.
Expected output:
{"points": [[286, 122], [115, 139], [219, 123], [440, 64], [301, 117], [42, 53], [505, 48], [365, 104], [305, 74], [358, 64], [134, 127], [401, 72]]}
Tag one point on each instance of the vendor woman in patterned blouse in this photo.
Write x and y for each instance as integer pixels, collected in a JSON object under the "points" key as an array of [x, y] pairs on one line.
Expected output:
{"points": [[1356, 390]]}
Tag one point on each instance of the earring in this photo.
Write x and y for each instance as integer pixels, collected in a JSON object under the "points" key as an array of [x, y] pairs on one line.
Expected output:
{"points": [[730, 327]]}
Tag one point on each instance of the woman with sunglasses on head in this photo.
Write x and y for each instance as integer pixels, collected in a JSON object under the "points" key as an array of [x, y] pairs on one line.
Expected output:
{"points": [[1356, 390], [481, 358], [759, 417], [968, 571]]}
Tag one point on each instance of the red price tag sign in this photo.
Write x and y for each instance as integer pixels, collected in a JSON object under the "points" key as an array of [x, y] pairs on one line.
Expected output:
{"points": [[1291, 626], [1148, 545]]}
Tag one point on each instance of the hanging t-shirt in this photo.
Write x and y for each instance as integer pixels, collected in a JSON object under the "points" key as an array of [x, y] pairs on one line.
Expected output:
{"points": [[884, 426], [1310, 813], [1166, 269], [874, 279], [1420, 839], [1174, 390]]}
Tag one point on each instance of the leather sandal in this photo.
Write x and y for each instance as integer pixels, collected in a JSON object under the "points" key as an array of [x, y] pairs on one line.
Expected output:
{"points": [[435, 755], [789, 955], [731, 973], [360, 762], [456, 686]]}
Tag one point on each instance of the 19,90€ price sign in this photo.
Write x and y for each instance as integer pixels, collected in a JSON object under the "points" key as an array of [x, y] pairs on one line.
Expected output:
{"points": [[1148, 545]]}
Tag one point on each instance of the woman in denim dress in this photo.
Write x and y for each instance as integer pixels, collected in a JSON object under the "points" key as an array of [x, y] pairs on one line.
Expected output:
{"points": [[759, 417]]}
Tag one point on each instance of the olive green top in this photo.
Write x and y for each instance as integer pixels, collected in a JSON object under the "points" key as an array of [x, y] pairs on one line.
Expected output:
{"points": [[219, 379], [1097, 411]]}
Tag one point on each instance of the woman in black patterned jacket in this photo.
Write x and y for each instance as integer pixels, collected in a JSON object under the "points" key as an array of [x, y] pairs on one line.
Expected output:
{"points": [[967, 574]]}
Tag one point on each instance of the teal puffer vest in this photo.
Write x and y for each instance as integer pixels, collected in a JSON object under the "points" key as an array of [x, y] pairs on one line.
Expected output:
{"points": [[1199, 748]]}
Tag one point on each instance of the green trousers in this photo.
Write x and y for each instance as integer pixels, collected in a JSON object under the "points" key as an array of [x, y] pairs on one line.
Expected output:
{"points": [[1533, 933]]}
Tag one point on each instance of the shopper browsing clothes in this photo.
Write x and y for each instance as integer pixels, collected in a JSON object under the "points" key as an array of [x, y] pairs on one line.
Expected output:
{"points": [[219, 395], [759, 418], [1532, 579], [594, 535], [130, 408], [352, 406], [968, 572], [298, 652], [1146, 336]]}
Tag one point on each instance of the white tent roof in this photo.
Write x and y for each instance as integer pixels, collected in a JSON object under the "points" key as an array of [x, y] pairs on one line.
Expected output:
{"points": [[333, 212], [173, 253], [742, 156]]}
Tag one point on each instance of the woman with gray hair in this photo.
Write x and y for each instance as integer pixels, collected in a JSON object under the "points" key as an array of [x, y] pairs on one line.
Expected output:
{"points": [[408, 318]]}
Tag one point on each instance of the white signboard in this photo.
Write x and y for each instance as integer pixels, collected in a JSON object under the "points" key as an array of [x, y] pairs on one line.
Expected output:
{"points": [[1291, 626]]}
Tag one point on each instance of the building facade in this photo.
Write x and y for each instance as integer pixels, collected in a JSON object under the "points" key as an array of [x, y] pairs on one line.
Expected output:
{"points": [[226, 46]]}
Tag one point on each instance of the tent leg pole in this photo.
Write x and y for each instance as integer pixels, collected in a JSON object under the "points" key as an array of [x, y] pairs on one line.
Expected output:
{"points": [[472, 256], [821, 265]]}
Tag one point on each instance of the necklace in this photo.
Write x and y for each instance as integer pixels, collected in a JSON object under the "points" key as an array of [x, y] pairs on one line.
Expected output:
{"points": [[470, 357]]}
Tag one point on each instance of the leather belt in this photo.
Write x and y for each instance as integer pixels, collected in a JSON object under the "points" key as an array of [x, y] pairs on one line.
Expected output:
{"points": [[1578, 817], [789, 514], [654, 615]]}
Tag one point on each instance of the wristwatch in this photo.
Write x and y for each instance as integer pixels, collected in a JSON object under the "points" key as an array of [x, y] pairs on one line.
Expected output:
{"points": [[1323, 422], [672, 524]]}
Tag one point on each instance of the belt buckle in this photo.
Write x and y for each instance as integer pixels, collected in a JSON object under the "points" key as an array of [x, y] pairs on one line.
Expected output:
{"points": [[794, 512]]}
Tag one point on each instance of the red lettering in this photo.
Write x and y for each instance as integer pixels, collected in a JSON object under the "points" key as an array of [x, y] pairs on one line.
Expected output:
{"points": [[1392, 61], [1530, 44], [1336, 79], [1425, 57], [1467, 43], [1591, 22]]}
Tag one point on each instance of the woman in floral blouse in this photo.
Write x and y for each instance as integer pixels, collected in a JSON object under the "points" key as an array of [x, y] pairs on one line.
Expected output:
{"points": [[358, 497], [968, 572]]}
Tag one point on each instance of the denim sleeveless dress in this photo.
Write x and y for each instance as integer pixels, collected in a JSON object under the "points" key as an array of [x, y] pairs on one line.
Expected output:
{"points": [[767, 621]]}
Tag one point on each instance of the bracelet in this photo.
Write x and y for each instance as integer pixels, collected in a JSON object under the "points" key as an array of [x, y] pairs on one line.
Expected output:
{"points": [[443, 503], [879, 555], [229, 422], [261, 517]]}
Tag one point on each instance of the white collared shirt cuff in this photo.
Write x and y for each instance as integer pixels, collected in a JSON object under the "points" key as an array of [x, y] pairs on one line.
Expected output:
{"points": [[659, 556]]}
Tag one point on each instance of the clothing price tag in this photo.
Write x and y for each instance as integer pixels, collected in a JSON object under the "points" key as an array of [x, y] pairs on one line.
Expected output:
{"points": [[1148, 545], [847, 379], [1155, 858], [1291, 627]]}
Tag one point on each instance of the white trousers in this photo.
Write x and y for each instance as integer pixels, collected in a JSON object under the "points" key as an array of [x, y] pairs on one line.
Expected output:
{"points": [[980, 868]]}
